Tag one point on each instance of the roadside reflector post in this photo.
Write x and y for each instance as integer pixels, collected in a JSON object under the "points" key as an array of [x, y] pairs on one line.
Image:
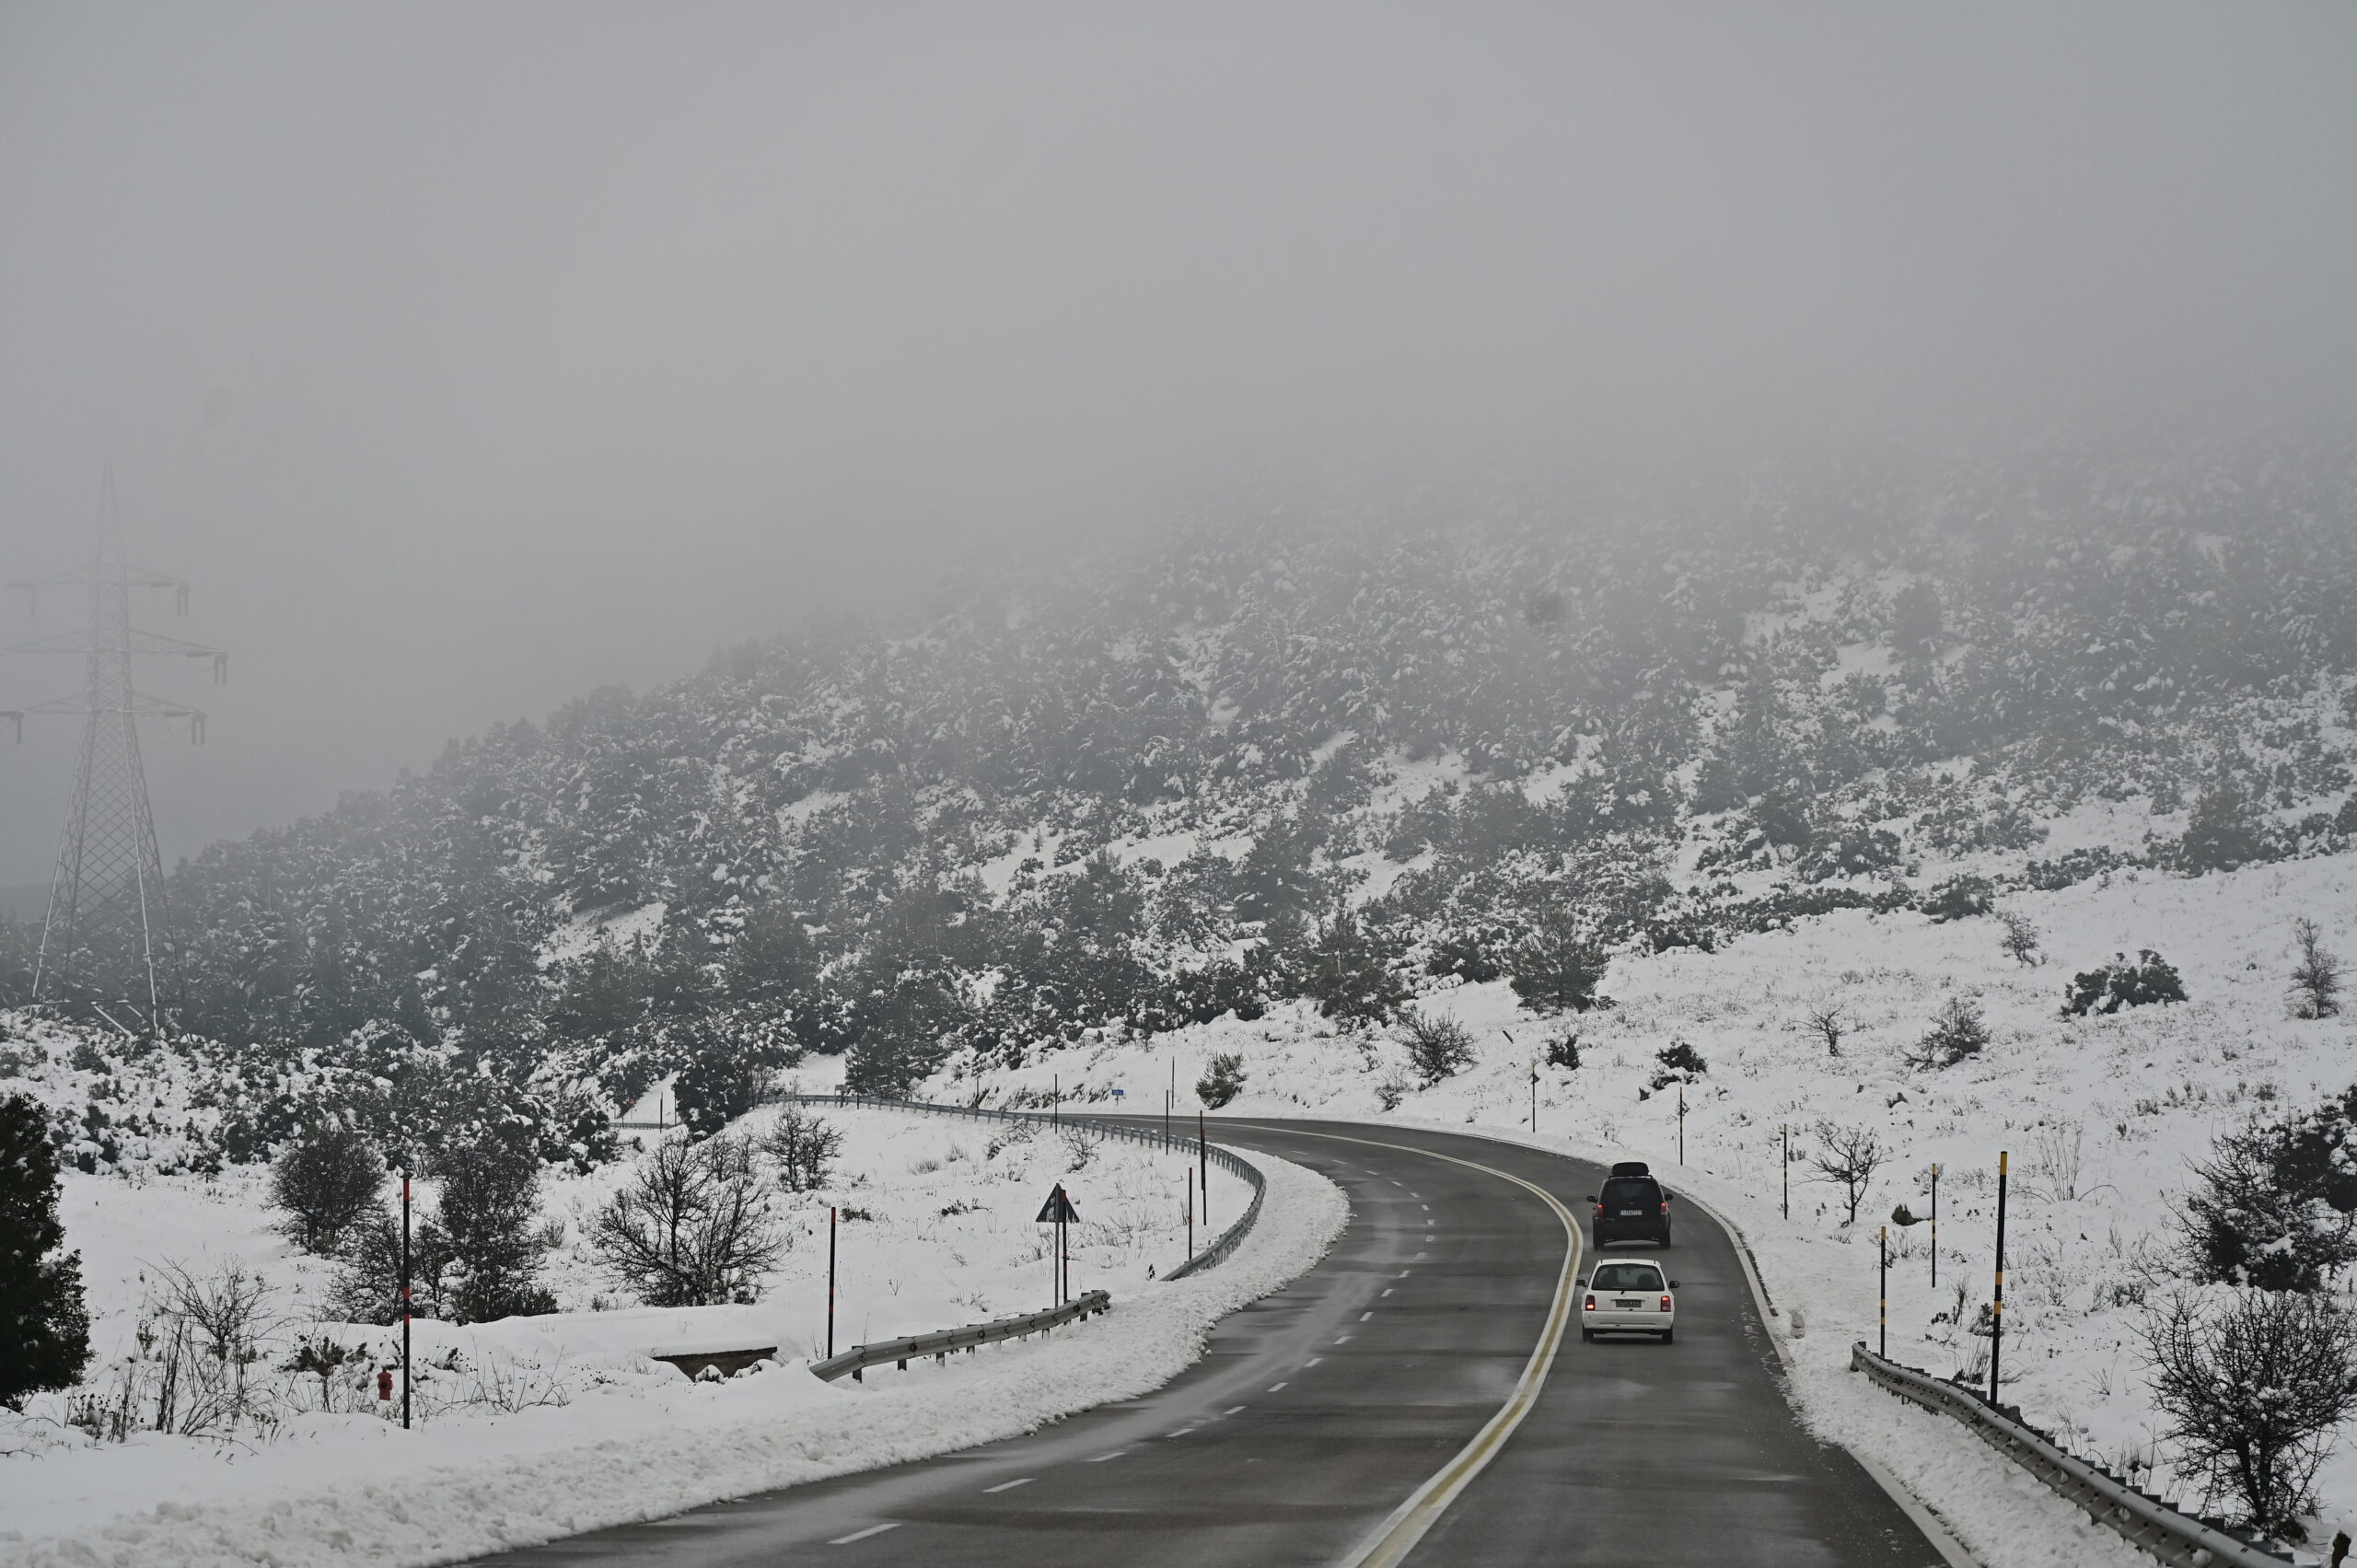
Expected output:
{"points": [[831, 1282], [1787, 1131], [1682, 1123], [1935, 1225], [1997, 1307], [1882, 1285]]}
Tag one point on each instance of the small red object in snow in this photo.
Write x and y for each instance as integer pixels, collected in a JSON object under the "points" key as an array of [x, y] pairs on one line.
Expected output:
{"points": [[384, 1384]]}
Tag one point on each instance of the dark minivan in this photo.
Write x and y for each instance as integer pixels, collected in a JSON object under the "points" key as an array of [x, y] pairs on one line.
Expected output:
{"points": [[1632, 1208]]}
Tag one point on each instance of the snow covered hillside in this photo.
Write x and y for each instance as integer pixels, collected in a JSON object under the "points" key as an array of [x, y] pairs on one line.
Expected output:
{"points": [[2101, 1115], [944, 1236]]}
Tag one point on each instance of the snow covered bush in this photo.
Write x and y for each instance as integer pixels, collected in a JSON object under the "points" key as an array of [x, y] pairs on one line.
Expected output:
{"points": [[2274, 1206], [2316, 979], [1957, 1033], [326, 1183], [44, 1325], [1961, 897], [1557, 965], [1677, 1063], [2253, 1383], [2122, 983], [489, 1211], [1222, 1081]]}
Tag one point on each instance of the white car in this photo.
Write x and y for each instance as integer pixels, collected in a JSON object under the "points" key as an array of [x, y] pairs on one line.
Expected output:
{"points": [[1630, 1296]]}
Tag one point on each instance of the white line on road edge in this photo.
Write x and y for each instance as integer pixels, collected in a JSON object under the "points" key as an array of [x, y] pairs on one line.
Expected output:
{"points": [[1114, 1455], [1398, 1535], [1011, 1485], [863, 1535]]}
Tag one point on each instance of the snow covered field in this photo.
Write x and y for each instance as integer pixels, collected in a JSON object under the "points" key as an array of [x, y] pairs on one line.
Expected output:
{"points": [[541, 1426], [2101, 1117]]}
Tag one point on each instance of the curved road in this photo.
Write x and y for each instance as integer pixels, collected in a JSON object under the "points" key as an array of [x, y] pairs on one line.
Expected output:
{"points": [[1318, 1412]]}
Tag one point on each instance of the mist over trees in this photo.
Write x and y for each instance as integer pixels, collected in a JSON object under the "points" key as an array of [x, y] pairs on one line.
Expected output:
{"points": [[1160, 783]]}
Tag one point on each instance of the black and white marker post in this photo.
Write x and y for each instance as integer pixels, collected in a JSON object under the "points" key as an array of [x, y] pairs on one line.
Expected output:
{"points": [[1997, 1309], [831, 1282], [1203, 1167], [1882, 1285], [1787, 1131], [1935, 1225], [1682, 1123]]}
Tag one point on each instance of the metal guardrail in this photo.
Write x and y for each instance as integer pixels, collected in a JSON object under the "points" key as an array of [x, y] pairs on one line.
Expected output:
{"points": [[2143, 1519], [1234, 1165], [940, 1343]]}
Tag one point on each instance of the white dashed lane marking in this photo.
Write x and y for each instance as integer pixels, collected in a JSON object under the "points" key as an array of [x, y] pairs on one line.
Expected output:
{"points": [[1011, 1485], [863, 1535]]}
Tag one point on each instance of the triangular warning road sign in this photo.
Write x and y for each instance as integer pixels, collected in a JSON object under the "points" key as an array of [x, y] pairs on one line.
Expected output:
{"points": [[1057, 1207]]}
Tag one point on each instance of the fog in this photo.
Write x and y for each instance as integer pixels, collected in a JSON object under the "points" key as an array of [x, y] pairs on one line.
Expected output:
{"points": [[466, 358]]}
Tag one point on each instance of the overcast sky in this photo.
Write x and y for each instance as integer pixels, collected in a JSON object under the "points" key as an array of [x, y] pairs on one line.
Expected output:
{"points": [[466, 357]]}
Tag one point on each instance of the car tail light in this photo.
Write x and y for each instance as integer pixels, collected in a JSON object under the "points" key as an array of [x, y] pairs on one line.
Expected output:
{"points": [[1591, 1303], [1662, 1207], [1664, 1304]]}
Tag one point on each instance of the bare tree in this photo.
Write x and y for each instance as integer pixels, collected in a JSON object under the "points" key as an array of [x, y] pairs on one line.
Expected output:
{"points": [[2253, 1385], [691, 1228], [1849, 1157], [805, 1148], [2020, 940], [1830, 1026], [2316, 979], [1439, 1046]]}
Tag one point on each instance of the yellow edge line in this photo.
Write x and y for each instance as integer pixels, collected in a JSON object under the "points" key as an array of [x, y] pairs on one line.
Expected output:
{"points": [[1398, 1534]]}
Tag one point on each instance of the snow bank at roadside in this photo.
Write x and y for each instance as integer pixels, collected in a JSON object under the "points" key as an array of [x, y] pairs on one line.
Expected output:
{"points": [[435, 1496]]}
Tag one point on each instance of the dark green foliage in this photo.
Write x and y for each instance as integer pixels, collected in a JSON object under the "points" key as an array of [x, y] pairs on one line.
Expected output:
{"points": [[2224, 830], [1677, 1062], [488, 1217], [1472, 955], [2274, 1206], [326, 1182], [2124, 982], [1349, 973], [1222, 1081], [44, 1324], [1960, 898], [1557, 965], [1958, 1034], [2315, 977], [368, 1288], [1563, 1050], [1437, 1047]]}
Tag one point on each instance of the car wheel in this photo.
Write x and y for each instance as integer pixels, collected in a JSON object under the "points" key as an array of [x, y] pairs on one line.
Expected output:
{"points": [[1588, 1334], [1667, 1335]]}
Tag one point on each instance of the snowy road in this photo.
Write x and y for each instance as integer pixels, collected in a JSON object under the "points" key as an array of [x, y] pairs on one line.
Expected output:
{"points": [[1317, 1412]]}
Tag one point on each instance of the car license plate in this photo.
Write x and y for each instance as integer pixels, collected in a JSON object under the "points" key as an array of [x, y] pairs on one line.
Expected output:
{"points": [[1628, 1306], [1631, 1214]]}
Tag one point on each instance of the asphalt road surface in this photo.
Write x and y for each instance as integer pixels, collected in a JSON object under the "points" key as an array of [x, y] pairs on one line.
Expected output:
{"points": [[1319, 1413]]}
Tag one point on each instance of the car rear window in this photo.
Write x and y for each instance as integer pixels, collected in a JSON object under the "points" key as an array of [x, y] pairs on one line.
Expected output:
{"points": [[1632, 1193], [1626, 1276]]}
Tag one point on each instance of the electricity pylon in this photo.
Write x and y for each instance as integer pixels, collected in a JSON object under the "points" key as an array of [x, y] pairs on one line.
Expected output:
{"points": [[103, 943]]}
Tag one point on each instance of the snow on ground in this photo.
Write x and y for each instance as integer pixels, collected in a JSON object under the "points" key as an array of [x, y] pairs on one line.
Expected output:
{"points": [[2102, 1118], [543, 1426]]}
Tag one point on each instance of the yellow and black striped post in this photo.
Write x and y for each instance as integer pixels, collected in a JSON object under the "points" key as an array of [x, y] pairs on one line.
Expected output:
{"points": [[1997, 1309], [1882, 1284]]}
